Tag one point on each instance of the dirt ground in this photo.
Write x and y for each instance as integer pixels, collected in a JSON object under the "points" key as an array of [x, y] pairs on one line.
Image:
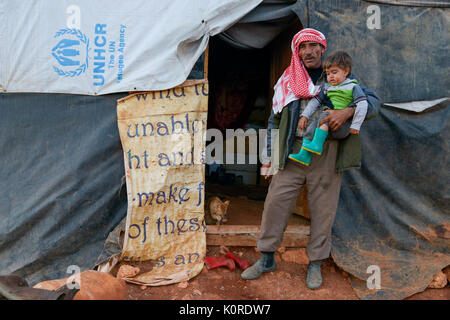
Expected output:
{"points": [[286, 283]]}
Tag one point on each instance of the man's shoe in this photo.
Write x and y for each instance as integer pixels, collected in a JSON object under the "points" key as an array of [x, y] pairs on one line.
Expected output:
{"points": [[265, 264], [314, 276]]}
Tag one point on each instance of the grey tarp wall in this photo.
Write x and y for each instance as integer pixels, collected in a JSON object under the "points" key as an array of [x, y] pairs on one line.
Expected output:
{"points": [[62, 181], [394, 211]]}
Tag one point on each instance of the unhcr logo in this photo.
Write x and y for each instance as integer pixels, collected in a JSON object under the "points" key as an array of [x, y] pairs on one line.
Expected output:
{"points": [[70, 52]]}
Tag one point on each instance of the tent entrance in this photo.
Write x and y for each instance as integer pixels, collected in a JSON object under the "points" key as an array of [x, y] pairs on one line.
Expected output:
{"points": [[240, 97]]}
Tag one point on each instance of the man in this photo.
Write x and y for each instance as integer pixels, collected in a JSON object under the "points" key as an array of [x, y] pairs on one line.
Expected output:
{"points": [[298, 84]]}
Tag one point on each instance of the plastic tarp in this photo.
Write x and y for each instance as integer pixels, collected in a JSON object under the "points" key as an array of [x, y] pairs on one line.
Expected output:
{"points": [[63, 182], [399, 51], [416, 106], [263, 24], [107, 46], [62, 187], [394, 212]]}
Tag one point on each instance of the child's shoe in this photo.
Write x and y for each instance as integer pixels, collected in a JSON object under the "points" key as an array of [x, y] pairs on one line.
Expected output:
{"points": [[316, 145], [303, 156]]}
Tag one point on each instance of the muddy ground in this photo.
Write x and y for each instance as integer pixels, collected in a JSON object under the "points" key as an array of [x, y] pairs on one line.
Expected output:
{"points": [[286, 283]]}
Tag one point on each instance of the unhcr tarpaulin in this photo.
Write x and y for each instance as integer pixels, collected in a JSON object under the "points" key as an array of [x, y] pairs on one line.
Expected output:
{"points": [[106, 46]]}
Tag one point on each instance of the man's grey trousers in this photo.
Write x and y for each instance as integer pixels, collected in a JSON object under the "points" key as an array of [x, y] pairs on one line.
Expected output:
{"points": [[323, 185]]}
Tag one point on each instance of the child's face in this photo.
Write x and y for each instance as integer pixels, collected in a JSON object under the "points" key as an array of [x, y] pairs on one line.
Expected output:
{"points": [[335, 75]]}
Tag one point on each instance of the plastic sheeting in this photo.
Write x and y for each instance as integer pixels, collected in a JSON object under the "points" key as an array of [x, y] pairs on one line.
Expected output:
{"points": [[405, 60], [416, 106], [263, 24], [62, 188], [107, 46], [63, 181], [394, 212]]}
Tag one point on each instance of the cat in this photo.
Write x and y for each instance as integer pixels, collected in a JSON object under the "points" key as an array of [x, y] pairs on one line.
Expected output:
{"points": [[216, 211]]}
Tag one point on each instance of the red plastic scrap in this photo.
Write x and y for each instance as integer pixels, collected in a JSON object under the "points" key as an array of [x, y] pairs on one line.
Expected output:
{"points": [[242, 263], [223, 261]]}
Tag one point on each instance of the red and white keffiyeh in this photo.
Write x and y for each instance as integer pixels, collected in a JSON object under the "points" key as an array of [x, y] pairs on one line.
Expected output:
{"points": [[295, 82]]}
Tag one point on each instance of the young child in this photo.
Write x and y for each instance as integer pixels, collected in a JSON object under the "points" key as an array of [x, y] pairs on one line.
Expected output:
{"points": [[339, 93]]}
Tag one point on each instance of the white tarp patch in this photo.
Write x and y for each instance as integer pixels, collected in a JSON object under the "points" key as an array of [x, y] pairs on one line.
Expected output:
{"points": [[416, 106]]}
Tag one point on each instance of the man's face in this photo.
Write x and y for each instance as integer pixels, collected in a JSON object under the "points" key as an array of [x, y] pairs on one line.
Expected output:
{"points": [[311, 54]]}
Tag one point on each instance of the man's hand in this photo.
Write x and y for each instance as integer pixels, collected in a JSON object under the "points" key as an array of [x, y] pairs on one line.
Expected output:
{"points": [[336, 118], [266, 170], [302, 123], [354, 131]]}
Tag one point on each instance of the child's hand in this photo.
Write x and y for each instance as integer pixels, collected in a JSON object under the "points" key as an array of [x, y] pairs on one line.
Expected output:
{"points": [[302, 123], [354, 131]]}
